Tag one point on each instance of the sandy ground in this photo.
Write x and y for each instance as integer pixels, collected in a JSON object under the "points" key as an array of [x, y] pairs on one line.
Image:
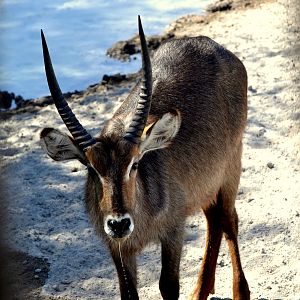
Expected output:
{"points": [[48, 232]]}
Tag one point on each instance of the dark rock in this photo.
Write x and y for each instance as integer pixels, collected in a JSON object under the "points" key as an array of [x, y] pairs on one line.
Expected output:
{"points": [[223, 5], [111, 79], [220, 5], [129, 49], [122, 50], [252, 89], [19, 101], [6, 99]]}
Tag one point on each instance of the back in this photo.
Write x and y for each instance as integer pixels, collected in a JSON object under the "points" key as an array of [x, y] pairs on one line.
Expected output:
{"points": [[208, 85], [199, 77]]}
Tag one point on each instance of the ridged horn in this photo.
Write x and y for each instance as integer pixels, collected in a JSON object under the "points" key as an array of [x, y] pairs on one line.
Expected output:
{"points": [[83, 139], [136, 128]]}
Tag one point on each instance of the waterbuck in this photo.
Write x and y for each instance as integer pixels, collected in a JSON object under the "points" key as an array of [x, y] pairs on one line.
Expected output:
{"points": [[171, 149]]}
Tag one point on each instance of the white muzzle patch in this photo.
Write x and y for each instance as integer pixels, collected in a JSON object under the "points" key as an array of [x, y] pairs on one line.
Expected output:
{"points": [[118, 226]]}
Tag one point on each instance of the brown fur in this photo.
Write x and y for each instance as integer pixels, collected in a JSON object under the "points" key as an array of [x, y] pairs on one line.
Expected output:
{"points": [[207, 84]]}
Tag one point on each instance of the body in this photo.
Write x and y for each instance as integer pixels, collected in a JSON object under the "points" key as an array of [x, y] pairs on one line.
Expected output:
{"points": [[187, 159]]}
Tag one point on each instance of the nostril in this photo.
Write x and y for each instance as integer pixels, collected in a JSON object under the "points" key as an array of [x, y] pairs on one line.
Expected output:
{"points": [[125, 223], [119, 227], [112, 224]]}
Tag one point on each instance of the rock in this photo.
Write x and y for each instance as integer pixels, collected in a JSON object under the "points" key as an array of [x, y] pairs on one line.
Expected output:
{"points": [[221, 263], [220, 5], [223, 5], [66, 281], [270, 165], [6, 99], [252, 89], [261, 132], [37, 270], [122, 50], [111, 79]]}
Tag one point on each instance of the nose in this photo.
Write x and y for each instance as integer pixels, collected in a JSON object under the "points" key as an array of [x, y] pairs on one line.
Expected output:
{"points": [[118, 226]]}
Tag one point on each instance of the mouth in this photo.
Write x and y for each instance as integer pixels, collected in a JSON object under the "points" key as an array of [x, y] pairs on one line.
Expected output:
{"points": [[118, 237]]}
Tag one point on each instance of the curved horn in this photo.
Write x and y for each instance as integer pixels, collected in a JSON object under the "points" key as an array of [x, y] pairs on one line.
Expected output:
{"points": [[80, 135], [136, 128]]}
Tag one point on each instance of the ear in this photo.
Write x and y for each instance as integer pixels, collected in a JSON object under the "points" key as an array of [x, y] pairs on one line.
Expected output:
{"points": [[161, 133], [60, 146]]}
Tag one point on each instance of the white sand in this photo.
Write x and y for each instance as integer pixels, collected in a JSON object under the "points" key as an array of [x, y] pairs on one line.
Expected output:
{"points": [[45, 210]]}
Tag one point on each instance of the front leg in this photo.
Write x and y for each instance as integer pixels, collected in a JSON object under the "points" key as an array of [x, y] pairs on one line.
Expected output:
{"points": [[171, 248], [126, 267]]}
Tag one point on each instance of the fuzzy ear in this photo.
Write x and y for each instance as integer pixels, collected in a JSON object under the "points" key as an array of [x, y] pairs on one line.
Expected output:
{"points": [[60, 146], [161, 133]]}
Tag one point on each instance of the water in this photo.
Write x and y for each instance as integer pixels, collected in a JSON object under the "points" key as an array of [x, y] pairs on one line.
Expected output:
{"points": [[78, 33]]}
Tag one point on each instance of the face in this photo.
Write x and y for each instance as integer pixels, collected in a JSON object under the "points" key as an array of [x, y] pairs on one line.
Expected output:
{"points": [[113, 167]]}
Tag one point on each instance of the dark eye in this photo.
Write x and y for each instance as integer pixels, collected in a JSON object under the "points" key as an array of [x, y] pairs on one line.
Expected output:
{"points": [[135, 166]]}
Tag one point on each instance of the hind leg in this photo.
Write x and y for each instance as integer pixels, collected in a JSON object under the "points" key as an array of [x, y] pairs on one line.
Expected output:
{"points": [[230, 229], [228, 194], [206, 279]]}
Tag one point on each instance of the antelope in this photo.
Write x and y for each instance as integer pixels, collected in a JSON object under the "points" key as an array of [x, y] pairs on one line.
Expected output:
{"points": [[171, 149]]}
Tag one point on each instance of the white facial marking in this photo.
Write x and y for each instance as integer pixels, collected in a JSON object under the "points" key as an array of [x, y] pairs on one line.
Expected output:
{"points": [[127, 174], [118, 218], [100, 177]]}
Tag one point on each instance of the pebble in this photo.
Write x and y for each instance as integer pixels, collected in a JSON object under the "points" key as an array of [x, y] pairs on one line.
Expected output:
{"points": [[261, 132], [58, 288], [270, 165], [240, 192], [221, 263], [37, 270], [36, 276], [252, 89], [65, 281]]}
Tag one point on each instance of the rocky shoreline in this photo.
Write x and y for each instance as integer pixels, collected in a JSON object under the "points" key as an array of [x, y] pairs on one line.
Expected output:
{"points": [[123, 51]]}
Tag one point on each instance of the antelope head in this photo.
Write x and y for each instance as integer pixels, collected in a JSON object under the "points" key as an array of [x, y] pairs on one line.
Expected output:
{"points": [[113, 157]]}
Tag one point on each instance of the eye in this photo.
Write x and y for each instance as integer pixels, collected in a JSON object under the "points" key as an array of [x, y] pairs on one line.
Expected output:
{"points": [[135, 166]]}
